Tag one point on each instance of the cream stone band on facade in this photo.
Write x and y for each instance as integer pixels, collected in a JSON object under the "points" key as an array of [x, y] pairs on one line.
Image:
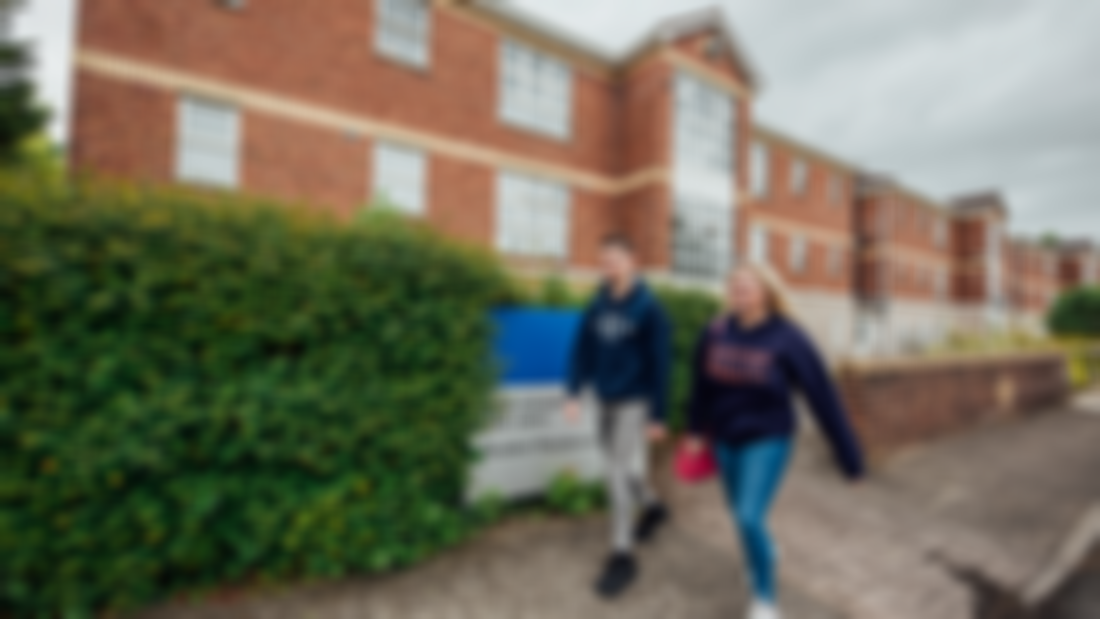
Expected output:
{"points": [[124, 69]]}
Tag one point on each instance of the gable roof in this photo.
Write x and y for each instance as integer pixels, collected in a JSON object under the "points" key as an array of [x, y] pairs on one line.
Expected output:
{"points": [[712, 18], [980, 202], [664, 32], [772, 136]]}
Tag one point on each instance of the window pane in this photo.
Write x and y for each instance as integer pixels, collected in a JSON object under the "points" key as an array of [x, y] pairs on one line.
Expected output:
{"points": [[399, 177], [532, 216], [402, 31], [535, 90], [208, 144], [701, 239]]}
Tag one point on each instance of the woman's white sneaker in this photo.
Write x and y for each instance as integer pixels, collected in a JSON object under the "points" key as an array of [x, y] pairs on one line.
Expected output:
{"points": [[763, 610]]}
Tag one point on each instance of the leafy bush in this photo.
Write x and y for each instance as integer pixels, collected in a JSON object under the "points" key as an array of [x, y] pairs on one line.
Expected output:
{"points": [[556, 292], [198, 390], [1076, 313], [690, 311], [571, 496]]}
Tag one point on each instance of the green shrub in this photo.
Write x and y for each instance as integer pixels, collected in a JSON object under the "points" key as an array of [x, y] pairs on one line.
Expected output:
{"points": [[690, 311], [569, 495], [556, 292], [1076, 313], [198, 390]]}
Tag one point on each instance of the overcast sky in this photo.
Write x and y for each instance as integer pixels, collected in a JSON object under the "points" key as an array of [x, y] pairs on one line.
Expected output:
{"points": [[947, 95]]}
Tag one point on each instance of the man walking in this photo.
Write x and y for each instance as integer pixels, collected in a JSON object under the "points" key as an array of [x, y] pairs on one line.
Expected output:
{"points": [[623, 351]]}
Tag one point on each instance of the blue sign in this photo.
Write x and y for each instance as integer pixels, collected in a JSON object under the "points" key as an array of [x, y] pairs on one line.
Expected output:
{"points": [[533, 346]]}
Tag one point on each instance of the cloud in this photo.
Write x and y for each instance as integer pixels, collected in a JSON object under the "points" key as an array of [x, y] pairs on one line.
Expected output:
{"points": [[948, 96]]}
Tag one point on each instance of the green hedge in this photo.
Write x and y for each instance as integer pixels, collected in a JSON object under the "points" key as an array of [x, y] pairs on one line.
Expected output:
{"points": [[690, 311], [1076, 313], [198, 390]]}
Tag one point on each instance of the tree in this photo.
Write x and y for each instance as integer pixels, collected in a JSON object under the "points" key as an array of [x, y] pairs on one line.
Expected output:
{"points": [[1076, 313], [21, 117]]}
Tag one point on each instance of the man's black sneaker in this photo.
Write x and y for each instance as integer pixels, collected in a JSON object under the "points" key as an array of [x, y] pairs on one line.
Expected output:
{"points": [[618, 574], [651, 521]]}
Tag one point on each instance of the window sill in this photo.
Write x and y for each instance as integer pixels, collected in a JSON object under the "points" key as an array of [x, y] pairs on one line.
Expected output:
{"points": [[535, 131], [423, 69]]}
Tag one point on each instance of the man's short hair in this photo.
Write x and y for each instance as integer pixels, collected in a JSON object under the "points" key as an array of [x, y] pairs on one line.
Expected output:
{"points": [[616, 240]]}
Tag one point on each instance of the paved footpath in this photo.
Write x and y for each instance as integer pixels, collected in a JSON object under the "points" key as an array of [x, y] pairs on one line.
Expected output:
{"points": [[997, 504], [524, 570], [1003, 505]]}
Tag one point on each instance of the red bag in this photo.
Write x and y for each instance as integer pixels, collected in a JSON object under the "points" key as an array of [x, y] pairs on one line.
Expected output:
{"points": [[695, 467]]}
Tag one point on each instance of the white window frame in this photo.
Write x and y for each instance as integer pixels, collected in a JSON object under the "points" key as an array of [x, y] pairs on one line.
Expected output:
{"points": [[536, 91], [939, 232], [836, 262], [402, 31], [800, 176], [942, 284], [838, 189], [532, 216], [761, 170], [799, 254], [702, 239], [759, 245], [400, 177], [208, 142]]}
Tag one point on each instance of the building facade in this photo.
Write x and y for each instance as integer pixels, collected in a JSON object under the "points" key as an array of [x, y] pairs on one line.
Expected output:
{"points": [[501, 130], [1079, 264]]}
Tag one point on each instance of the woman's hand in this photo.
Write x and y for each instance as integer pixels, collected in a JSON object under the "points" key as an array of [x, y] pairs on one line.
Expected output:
{"points": [[657, 432], [693, 444]]}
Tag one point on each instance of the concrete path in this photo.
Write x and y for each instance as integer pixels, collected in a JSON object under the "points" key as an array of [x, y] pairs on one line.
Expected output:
{"points": [[536, 569], [996, 507]]}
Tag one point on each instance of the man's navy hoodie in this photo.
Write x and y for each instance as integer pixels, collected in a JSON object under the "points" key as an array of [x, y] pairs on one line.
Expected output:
{"points": [[744, 380], [622, 349]]}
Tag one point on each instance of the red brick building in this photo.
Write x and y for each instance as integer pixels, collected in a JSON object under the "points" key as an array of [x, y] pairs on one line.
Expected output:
{"points": [[1079, 264], [501, 130]]}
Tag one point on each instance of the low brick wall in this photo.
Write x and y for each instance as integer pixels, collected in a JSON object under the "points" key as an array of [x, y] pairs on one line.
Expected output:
{"points": [[900, 404]]}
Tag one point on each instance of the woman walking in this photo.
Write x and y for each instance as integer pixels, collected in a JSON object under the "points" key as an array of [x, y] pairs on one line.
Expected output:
{"points": [[748, 364]]}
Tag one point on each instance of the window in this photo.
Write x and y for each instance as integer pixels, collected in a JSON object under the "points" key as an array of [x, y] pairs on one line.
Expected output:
{"points": [[800, 176], [837, 190], [704, 132], [939, 232], [761, 170], [399, 177], [532, 216], [208, 147], [402, 30], [836, 262], [702, 224], [941, 284], [536, 90], [758, 245], [798, 254], [701, 239]]}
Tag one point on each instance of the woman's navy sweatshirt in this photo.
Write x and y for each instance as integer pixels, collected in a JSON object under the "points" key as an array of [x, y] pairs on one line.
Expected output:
{"points": [[744, 380]]}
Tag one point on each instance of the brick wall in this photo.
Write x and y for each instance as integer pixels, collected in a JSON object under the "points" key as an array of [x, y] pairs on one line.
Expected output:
{"points": [[896, 406], [822, 219]]}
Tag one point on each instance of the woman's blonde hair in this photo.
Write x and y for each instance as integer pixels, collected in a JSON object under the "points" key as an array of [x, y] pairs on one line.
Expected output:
{"points": [[775, 291]]}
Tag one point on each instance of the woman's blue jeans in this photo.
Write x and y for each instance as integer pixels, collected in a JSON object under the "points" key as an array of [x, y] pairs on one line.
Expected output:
{"points": [[752, 474]]}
